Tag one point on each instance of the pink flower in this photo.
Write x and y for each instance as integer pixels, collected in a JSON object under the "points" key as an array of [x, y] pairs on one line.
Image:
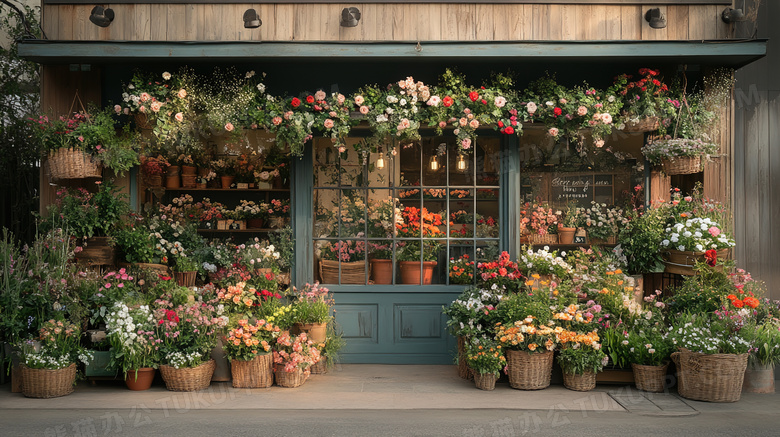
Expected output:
{"points": [[340, 99], [126, 111], [359, 100], [404, 124], [714, 231], [277, 120], [145, 97], [108, 285], [581, 111], [328, 123], [182, 93], [606, 118], [474, 124], [442, 124], [117, 109], [142, 108], [499, 101], [600, 143], [364, 109], [688, 199], [229, 127], [466, 143], [319, 95], [156, 106], [81, 138], [553, 131], [179, 117], [463, 122], [433, 101]]}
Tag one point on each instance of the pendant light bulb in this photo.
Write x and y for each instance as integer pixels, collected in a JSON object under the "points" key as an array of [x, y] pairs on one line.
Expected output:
{"points": [[462, 164], [380, 162], [434, 163]]}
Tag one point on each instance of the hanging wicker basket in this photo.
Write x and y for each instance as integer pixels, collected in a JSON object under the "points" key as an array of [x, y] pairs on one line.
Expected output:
{"points": [[650, 378], [584, 382], [255, 373], [681, 165], [68, 164], [529, 371], [647, 124], [45, 383], [188, 378], [710, 377]]}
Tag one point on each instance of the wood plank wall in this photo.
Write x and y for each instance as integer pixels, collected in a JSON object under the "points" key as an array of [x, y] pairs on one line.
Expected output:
{"points": [[386, 22]]}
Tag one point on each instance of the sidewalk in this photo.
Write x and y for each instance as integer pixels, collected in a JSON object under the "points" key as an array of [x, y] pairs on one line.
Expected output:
{"points": [[385, 387]]}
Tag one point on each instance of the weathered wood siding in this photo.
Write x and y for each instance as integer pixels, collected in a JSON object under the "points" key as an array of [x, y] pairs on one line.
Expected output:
{"points": [[757, 157], [386, 22]]}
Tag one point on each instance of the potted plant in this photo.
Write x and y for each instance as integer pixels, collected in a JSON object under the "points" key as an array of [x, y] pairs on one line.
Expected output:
{"points": [[381, 262], [293, 357], [185, 268], [546, 265], [312, 311], [49, 362], [133, 336], [189, 327], [645, 100], [227, 170], [248, 347], [462, 270], [343, 261], [581, 358], [255, 213], [279, 213], [486, 360], [572, 219], [602, 223], [541, 223], [153, 168], [679, 155], [265, 178], [688, 240], [529, 345], [419, 251]]}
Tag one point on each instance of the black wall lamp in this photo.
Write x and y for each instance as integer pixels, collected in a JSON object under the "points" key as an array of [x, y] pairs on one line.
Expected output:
{"points": [[350, 17], [252, 19], [101, 17], [732, 15], [656, 18]]}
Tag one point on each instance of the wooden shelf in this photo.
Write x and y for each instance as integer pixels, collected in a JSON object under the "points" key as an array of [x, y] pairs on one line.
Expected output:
{"points": [[272, 190], [245, 231]]}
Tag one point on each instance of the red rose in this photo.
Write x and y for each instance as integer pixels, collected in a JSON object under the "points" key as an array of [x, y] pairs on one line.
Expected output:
{"points": [[500, 123], [473, 96], [309, 99], [711, 256], [447, 101], [509, 130], [296, 102], [557, 111]]}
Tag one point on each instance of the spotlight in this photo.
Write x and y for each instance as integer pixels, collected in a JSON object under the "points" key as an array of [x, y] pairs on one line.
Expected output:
{"points": [[251, 19], [350, 17], [101, 17], [732, 15], [656, 18]]}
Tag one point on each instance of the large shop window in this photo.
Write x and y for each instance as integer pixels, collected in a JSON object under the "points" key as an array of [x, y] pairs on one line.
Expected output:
{"points": [[405, 214]]}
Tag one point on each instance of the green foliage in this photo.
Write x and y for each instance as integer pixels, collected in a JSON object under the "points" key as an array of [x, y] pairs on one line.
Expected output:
{"points": [[485, 356], [86, 214], [640, 240]]}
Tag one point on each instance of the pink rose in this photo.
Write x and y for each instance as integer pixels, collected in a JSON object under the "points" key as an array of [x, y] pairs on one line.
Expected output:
{"points": [[364, 109], [332, 113], [319, 95], [117, 109], [229, 127], [359, 100], [142, 108], [328, 123], [474, 124], [606, 118], [466, 143], [145, 97], [499, 102], [340, 99], [600, 143], [442, 124], [182, 93], [463, 122], [179, 117], [433, 101], [277, 121], [553, 131], [156, 106], [581, 111], [404, 124], [714, 231], [688, 199]]}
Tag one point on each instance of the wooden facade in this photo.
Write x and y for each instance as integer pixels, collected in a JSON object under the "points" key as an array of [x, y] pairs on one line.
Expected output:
{"points": [[390, 22]]}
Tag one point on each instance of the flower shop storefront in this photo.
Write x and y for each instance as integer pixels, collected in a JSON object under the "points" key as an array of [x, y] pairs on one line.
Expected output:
{"points": [[395, 193]]}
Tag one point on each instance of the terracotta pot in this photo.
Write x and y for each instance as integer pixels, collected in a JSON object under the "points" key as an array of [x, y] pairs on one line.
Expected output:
{"points": [[278, 184], [566, 235], [410, 272], [315, 331], [227, 181], [382, 271], [172, 182], [153, 181], [254, 223], [140, 379], [189, 181], [173, 170], [189, 170]]}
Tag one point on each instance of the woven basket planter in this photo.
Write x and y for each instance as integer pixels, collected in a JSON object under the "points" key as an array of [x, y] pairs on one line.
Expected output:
{"points": [[463, 367], [289, 379], [320, 367], [485, 381], [682, 263], [650, 378], [189, 181], [351, 273], [142, 121], [710, 377], [647, 124], [584, 382], [188, 378], [529, 371], [45, 383], [66, 164], [543, 239], [681, 165], [256, 373]]}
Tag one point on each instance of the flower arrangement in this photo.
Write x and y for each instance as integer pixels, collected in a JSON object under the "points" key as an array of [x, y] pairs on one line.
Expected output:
{"points": [[87, 214], [461, 217], [312, 304], [246, 340], [539, 219], [544, 262], [249, 209], [245, 299], [645, 97], [473, 311], [501, 274], [154, 165], [59, 347], [462, 270], [419, 223], [696, 235], [527, 335], [295, 353], [392, 112], [344, 251], [132, 332], [225, 167], [487, 227], [279, 208], [484, 356], [669, 148], [602, 222], [189, 331], [648, 346], [283, 317], [720, 332], [580, 353]]}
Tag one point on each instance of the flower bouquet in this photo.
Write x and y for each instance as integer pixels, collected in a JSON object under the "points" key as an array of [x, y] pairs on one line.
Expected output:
{"points": [[293, 356], [462, 270], [603, 223]]}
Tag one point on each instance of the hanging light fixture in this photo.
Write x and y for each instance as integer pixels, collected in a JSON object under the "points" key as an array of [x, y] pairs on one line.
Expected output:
{"points": [[252, 19], [462, 165], [380, 162], [350, 17], [101, 17], [434, 163], [655, 18]]}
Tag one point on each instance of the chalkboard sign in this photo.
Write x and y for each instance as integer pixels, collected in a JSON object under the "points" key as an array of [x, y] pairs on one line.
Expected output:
{"points": [[581, 189], [580, 239]]}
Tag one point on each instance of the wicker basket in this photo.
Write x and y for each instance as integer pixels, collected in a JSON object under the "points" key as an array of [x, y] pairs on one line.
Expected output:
{"points": [[45, 383], [710, 377], [543, 239], [647, 124], [320, 367], [185, 279], [681, 165], [464, 371], [682, 263], [65, 164], [97, 251], [153, 181], [256, 373], [188, 378], [160, 269], [529, 371], [289, 379], [650, 378], [351, 273], [584, 382], [485, 381]]}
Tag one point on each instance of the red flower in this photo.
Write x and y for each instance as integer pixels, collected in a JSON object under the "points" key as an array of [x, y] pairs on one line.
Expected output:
{"points": [[738, 303], [509, 130], [711, 256], [296, 102], [164, 278], [473, 96], [752, 302], [309, 99], [557, 111], [447, 101]]}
